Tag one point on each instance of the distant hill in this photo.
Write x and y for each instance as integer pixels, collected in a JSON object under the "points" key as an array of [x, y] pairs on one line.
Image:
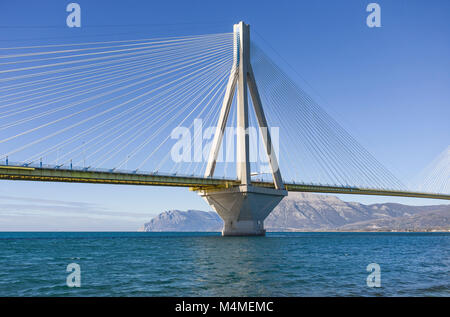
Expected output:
{"points": [[191, 220], [313, 212]]}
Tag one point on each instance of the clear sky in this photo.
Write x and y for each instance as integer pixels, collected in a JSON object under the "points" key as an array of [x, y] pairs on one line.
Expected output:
{"points": [[388, 86]]}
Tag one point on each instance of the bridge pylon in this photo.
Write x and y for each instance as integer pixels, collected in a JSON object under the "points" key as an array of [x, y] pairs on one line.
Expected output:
{"points": [[244, 207]]}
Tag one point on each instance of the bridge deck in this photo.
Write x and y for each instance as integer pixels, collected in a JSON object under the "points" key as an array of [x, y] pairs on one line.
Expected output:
{"points": [[9, 172]]}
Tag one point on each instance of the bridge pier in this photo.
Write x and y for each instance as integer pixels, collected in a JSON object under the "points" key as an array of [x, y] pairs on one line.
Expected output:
{"points": [[243, 208]]}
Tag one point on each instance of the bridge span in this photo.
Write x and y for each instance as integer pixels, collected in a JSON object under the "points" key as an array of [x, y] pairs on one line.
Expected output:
{"points": [[104, 176]]}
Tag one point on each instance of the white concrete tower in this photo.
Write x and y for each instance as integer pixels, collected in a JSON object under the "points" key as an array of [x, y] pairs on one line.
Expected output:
{"points": [[243, 208]]}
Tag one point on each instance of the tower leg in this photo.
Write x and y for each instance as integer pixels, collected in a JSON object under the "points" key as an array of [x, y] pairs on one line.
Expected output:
{"points": [[243, 208]]}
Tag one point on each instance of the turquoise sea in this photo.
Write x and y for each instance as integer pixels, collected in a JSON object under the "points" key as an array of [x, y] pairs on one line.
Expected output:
{"points": [[206, 264]]}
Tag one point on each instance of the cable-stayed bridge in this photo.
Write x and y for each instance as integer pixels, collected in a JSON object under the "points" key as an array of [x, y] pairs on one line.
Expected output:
{"points": [[210, 112]]}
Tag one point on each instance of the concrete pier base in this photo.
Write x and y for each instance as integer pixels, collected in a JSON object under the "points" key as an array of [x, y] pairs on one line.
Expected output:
{"points": [[243, 208]]}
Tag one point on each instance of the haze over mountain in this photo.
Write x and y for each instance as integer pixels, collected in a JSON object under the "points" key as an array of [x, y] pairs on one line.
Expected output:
{"points": [[313, 212]]}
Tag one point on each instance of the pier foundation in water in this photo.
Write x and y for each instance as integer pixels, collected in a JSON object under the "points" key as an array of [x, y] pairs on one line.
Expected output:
{"points": [[243, 208]]}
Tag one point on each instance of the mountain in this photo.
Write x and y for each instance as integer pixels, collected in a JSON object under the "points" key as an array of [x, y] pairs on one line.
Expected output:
{"points": [[432, 220], [314, 212], [191, 220]]}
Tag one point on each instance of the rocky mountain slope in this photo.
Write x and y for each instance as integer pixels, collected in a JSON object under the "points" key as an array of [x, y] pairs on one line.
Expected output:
{"points": [[191, 220]]}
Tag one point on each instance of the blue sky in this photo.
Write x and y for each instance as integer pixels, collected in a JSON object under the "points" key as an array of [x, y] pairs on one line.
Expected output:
{"points": [[388, 86]]}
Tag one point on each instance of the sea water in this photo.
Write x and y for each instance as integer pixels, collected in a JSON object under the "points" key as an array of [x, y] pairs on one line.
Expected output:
{"points": [[206, 264]]}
